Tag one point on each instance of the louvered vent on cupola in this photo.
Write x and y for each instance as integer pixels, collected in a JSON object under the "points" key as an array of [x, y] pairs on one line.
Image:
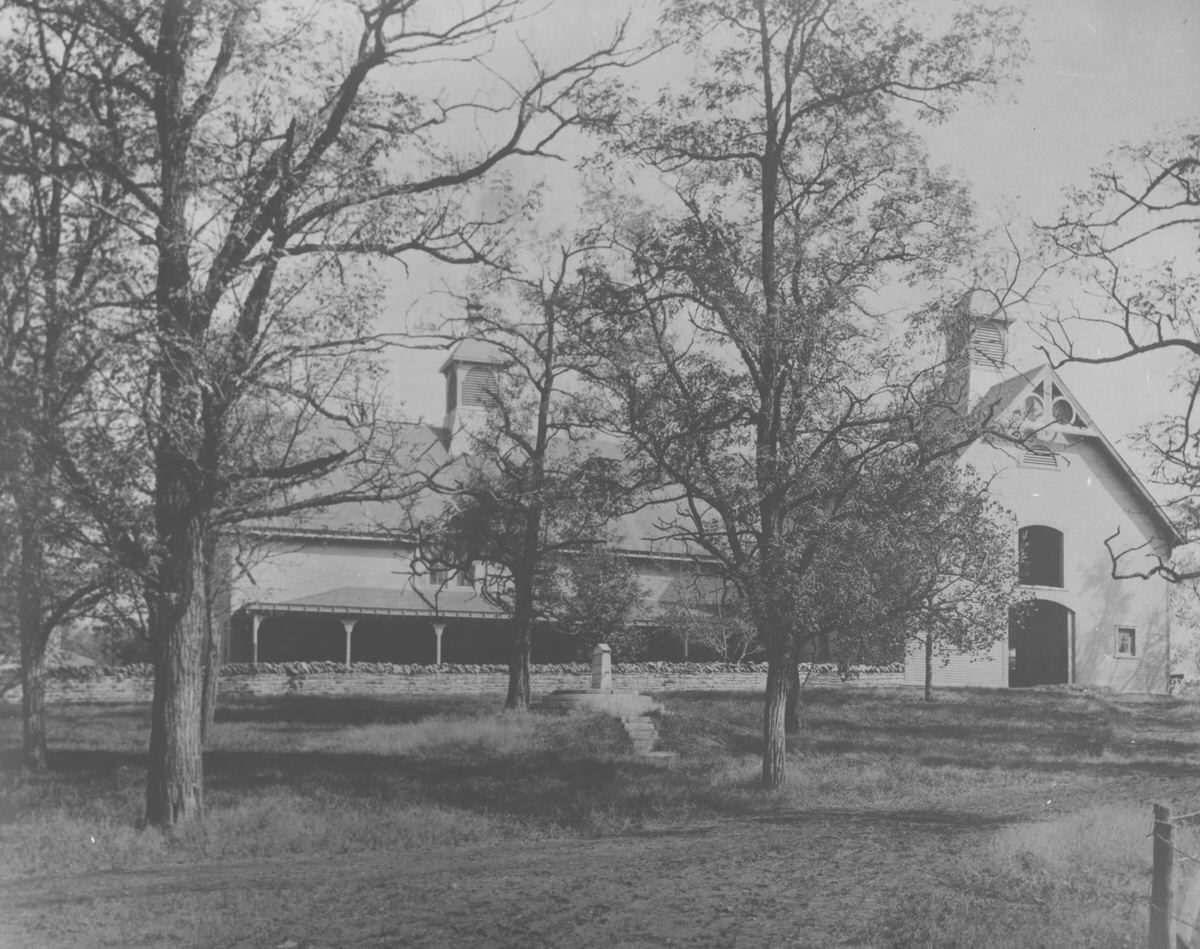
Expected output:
{"points": [[1040, 457], [988, 343], [479, 387]]}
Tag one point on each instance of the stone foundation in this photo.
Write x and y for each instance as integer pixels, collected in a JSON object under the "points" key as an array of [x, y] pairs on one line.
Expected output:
{"points": [[136, 684]]}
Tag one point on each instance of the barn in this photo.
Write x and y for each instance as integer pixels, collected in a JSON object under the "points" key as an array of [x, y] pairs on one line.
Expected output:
{"points": [[346, 585], [1077, 505]]}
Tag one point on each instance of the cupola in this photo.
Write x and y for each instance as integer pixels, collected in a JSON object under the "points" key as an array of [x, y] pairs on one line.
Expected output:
{"points": [[472, 389], [976, 349]]}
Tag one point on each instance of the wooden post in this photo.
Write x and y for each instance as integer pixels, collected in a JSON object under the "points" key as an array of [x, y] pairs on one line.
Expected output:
{"points": [[255, 619], [1162, 888], [438, 629], [348, 626]]}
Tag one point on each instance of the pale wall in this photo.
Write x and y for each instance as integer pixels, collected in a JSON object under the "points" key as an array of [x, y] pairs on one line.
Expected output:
{"points": [[285, 569], [1087, 498]]}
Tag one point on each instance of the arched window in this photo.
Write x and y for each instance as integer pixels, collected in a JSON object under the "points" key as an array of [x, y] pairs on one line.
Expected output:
{"points": [[479, 387], [1040, 556]]}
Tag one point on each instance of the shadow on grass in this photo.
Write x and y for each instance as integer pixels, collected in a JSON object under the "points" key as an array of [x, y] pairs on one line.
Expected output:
{"points": [[334, 710], [80, 767], [579, 774]]}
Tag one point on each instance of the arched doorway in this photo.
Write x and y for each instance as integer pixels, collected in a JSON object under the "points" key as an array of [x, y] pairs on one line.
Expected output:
{"points": [[1041, 638]]}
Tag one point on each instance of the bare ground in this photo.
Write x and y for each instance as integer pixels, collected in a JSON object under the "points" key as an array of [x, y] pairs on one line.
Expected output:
{"points": [[986, 780], [822, 878]]}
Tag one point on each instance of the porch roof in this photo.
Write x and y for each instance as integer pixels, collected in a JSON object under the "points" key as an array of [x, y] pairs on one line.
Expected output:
{"points": [[381, 601]]}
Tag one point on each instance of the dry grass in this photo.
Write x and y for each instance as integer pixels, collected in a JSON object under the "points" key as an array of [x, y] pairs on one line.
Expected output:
{"points": [[1010, 819]]}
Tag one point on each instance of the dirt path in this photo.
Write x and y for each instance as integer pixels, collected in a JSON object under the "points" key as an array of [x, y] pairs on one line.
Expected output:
{"points": [[817, 879]]}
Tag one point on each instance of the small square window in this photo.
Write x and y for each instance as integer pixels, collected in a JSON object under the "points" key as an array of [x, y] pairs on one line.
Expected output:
{"points": [[465, 576], [1126, 641], [438, 577]]}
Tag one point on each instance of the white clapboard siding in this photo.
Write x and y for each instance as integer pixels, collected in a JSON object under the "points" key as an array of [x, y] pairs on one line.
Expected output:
{"points": [[986, 669]]}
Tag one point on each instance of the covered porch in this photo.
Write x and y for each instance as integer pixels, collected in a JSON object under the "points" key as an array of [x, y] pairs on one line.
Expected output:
{"points": [[368, 624]]}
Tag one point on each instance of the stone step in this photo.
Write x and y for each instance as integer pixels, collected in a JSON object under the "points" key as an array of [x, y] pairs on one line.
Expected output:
{"points": [[642, 733], [631, 708]]}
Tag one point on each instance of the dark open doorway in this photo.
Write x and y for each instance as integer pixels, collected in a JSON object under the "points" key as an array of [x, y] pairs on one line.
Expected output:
{"points": [[1040, 641]]}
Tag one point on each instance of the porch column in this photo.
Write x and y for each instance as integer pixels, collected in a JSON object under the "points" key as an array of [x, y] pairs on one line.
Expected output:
{"points": [[348, 626], [438, 629], [255, 619]]}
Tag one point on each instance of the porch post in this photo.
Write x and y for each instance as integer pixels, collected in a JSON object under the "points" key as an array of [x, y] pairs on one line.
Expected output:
{"points": [[348, 626], [438, 629], [255, 619]]}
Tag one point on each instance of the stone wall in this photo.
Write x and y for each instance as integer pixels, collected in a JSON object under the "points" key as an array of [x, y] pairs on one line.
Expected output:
{"points": [[135, 683]]}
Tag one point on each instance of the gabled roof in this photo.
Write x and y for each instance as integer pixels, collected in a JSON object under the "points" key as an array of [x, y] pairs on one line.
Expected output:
{"points": [[1004, 397], [422, 448], [476, 351], [409, 446]]}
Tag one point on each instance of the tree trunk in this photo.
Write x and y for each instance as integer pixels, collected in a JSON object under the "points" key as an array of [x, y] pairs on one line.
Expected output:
{"points": [[179, 628], [928, 666], [518, 663], [792, 712], [212, 648], [30, 619], [212, 682], [523, 573], [774, 765], [33, 701]]}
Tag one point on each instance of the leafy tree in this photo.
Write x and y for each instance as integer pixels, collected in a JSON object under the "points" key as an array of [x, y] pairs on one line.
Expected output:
{"points": [[253, 149], [942, 570], [592, 595], [717, 624], [529, 490], [57, 255], [753, 361], [1185, 632], [1130, 239]]}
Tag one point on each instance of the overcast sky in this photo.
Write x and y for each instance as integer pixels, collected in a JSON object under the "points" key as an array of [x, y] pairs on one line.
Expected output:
{"points": [[1100, 73]]}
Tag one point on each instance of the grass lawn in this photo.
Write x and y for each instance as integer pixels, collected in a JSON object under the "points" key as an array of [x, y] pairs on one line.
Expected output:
{"points": [[987, 819]]}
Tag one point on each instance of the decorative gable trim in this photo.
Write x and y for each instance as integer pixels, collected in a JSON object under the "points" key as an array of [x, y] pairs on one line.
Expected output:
{"points": [[1047, 427], [1045, 405]]}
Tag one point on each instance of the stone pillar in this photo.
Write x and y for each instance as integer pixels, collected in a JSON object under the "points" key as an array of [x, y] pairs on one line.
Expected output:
{"points": [[255, 619], [602, 668], [348, 626], [438, 629]]}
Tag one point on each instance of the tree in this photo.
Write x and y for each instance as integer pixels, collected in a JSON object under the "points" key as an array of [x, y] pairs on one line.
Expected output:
{"points": [[750, 355], [529, 490], [249, 169], [56, 254], [592, 595], [942, 569], [1130, 239], [717, 624]]}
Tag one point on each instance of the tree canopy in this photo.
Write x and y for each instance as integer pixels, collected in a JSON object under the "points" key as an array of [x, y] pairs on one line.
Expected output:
{"points": [[752, 361], [1129, 239], [250, 155]]}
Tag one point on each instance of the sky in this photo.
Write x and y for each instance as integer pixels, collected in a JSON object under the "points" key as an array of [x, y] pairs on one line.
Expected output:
{"points": [[1100, 73]]}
